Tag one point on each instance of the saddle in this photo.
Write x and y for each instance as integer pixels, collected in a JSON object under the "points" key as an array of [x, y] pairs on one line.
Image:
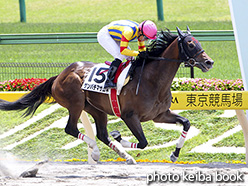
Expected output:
{"points": [[95, 79]]}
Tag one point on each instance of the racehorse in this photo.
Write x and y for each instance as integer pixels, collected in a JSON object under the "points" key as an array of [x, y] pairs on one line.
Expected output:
{"points": [[153, 101]]}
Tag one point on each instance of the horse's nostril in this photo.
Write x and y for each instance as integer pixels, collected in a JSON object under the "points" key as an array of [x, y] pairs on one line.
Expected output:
{"points": [[210, 62]]}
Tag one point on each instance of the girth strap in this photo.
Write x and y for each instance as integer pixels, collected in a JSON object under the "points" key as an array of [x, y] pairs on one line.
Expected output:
{"points": [[114, 102]]}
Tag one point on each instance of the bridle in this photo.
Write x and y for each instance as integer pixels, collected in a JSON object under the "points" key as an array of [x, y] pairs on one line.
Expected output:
{"points": [[184, 57], [191, 60], [183, 54]]}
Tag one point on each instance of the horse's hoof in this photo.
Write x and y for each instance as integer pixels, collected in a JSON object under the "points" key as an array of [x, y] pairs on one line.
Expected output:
{"points": [[131, 161], [173, 158], [95, 155], [33, 170], [29, 173]]}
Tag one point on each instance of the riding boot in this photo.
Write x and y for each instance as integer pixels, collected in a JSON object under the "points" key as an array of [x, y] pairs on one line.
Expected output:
{"points": [[111, 74]]}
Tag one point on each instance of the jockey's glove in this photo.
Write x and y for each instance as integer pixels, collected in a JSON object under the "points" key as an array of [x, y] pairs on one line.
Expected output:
{"points": [[143, 55]]}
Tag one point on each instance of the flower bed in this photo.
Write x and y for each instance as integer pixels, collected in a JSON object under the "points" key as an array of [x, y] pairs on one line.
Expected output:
{"points": [[197, 84], [138, 160], [214, 84], [26, 84]]}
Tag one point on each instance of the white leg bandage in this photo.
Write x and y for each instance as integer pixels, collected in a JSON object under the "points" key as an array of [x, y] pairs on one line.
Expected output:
{"points": [[128, 144], [95, 153], [87, 140], [181, 139], [117, 147], [112, 146], [81, 136]]}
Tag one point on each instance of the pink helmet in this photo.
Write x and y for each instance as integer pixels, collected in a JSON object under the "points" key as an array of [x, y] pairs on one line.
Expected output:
{"points": [[149, 29]]}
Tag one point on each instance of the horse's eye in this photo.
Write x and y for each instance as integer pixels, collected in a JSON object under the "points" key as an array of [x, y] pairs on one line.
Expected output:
{"points": [[191, 45]]}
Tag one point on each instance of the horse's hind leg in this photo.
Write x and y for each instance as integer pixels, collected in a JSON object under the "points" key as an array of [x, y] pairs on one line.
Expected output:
{"points": [[102, 133], [170, 117], [72, 129], [67, 92]]}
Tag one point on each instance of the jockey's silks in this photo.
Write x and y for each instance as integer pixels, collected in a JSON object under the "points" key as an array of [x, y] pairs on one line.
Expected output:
{"points": [[126, 31]]}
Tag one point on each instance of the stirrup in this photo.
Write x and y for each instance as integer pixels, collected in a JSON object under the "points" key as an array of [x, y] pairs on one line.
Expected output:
{"points": [[110, 85]]}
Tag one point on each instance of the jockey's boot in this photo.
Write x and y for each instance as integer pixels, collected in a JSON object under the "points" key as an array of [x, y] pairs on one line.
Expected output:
{"points": [[111, 74]]}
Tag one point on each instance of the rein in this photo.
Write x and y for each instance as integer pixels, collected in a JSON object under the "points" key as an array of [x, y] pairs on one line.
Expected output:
{"points": [[184, 54], [165, 59], [190, 61]]}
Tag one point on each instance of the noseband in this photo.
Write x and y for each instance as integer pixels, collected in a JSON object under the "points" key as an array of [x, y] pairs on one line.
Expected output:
{"points": [[191, 60]]}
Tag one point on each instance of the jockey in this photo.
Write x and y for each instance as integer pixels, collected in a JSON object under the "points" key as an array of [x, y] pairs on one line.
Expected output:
{"points": [[114, 38]]}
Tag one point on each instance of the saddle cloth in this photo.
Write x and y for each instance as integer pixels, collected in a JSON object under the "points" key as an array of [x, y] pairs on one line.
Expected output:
{"points": [[97, 76], [96, 79]]}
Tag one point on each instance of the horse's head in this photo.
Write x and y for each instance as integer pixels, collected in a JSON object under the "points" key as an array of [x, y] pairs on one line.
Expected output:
{"points": [[191, 52]]}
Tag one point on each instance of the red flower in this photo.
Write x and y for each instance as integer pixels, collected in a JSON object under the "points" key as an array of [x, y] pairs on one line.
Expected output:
{"points": [[21, 84]]}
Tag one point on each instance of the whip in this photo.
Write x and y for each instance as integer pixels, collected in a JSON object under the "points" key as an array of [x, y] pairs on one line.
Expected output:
{"points": [[141, 71]]}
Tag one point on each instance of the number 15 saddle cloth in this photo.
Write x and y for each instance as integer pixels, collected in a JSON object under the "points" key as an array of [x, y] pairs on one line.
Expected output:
{"points": [[97, 76]]}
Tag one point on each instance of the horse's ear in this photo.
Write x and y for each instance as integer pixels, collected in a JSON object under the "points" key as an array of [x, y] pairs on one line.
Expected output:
{"points": [[180, 33], [188, 30]]}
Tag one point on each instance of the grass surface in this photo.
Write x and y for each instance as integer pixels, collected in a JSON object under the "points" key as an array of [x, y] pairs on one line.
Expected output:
{"points": [[84, 16], [34, 127], [89, 16], [49, 144], [235, 140], [11, 119], [223, 53]]}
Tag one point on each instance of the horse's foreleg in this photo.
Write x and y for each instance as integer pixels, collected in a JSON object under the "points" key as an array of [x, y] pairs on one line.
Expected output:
{"points": [[170, 117], [134, 125], [117, 136], [121, 152], [118, 148], [174, 155], [186, 125]]}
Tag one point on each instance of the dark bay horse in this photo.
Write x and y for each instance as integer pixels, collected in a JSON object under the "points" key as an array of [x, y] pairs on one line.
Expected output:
{"points": [[152, 102]]}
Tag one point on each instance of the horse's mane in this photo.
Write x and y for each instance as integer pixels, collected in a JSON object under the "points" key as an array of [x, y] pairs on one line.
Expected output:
{"points": [[157, 46], [164, 39]]}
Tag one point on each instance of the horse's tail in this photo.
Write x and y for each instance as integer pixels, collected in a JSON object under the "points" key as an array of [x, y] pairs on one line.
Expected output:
{"points": [[32, 100]]}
